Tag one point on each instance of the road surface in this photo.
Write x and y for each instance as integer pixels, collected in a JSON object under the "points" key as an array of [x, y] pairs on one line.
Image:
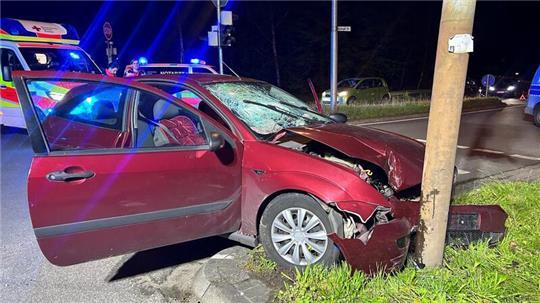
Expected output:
{"points": [[490, 141]]}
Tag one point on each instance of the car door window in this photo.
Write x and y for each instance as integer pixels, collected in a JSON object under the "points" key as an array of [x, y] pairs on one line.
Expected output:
{"points": [[78, 115], [9, 58], [365, 84], [163, 123]]}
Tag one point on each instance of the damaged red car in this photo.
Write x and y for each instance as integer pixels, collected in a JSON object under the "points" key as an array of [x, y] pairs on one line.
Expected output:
{"points": [[124, 165]]}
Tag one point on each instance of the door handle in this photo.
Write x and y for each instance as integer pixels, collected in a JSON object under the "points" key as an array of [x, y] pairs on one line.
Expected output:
{"points": [[68, 176]]}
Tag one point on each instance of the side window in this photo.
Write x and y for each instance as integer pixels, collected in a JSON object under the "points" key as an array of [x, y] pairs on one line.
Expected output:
{"points": [[364, 84], [377, 83], [192, 99], [79, 115], [9, 58], [162, 123]]}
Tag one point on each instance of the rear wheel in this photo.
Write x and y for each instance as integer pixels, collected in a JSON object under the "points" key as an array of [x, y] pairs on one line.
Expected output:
{"points": [[537, 116], [293, 232], [386, 98]]}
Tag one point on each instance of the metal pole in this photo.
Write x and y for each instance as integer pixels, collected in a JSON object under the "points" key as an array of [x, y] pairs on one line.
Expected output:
{"points": [[220, 51], [443, 127], [333, 58]]}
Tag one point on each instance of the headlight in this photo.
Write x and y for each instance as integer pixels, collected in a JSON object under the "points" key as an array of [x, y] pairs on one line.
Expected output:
{"points": [[56, 96], [511, 88], [491, 88], [343, 94]]}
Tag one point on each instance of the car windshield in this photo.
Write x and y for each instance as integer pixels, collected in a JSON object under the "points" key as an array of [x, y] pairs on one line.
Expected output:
{"points": [[264, 108], [72, 60]]}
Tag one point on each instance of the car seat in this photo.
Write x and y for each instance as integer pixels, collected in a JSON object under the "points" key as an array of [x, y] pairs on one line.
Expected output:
{"points": [[173, 127]]}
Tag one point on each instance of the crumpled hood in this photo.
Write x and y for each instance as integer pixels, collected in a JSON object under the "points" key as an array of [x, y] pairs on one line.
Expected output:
{"points": [[400, 157]]}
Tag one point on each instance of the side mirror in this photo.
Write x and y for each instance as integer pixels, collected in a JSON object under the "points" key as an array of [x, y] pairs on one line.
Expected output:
{"points": [[6, 73], [338, 117], [216, 141]]}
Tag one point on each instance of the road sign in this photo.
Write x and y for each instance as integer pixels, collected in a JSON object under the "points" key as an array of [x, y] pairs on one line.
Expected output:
{"points": [[488, 80], [344, 28], [107, 31], [222, 3]]}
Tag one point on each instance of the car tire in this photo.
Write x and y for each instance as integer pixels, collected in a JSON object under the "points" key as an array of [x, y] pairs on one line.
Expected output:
{"points": [[386, 98], [536, 116], [291, 245]]}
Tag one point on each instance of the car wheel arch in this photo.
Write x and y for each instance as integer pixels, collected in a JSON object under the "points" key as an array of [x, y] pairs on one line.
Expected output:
{"points": [[333, 214]]}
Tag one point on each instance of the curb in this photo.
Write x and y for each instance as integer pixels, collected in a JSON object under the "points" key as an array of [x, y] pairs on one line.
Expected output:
{"points": [[526, 173], [223, 279]]}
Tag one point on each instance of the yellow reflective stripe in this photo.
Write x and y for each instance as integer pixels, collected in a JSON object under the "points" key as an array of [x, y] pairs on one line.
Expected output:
{"points": [[38, 39], [7, 103], [7, 83]]}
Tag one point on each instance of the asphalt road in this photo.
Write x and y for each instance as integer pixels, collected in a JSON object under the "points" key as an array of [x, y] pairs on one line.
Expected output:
{"points": [[490, 142]]}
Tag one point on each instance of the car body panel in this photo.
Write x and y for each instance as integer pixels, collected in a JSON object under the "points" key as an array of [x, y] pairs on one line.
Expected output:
{"points": [[382, 251], [400, 157], [129, 189], [533, 100]]}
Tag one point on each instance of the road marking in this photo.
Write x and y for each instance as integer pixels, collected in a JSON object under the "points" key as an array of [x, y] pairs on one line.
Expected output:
{"points": [[426, 117], [525, 157], [462, 172], [490, 151]]}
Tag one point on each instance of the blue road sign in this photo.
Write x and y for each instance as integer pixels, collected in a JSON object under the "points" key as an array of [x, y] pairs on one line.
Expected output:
{"points": [[488, 79]]}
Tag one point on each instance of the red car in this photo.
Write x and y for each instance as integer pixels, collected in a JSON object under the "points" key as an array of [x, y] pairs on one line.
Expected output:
{"points": [[122, 165]]}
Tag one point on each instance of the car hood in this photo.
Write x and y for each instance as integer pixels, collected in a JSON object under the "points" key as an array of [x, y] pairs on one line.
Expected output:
{"points": [[400, 157]]}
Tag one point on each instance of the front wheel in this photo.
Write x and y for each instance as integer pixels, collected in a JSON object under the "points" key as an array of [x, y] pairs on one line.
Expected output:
{"points": [[293, 232], [537, 116]]}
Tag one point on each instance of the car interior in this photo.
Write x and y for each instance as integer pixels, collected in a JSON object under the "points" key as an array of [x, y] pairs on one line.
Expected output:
{"points": [[162, 123]]}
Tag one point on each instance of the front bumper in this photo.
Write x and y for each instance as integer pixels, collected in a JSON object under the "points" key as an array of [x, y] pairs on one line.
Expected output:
{"points": [[385, 250], [466, 223]]}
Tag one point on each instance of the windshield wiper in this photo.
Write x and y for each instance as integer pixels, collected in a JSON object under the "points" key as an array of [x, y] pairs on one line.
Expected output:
{"points": [[272, 108]]}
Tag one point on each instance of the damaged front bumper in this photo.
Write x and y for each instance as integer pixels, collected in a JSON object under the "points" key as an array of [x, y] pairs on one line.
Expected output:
{"points": [[386, 250], [387, 247]]}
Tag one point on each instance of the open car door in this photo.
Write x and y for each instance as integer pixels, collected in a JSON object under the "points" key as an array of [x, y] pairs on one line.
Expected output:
{"points": [[120, 167]]}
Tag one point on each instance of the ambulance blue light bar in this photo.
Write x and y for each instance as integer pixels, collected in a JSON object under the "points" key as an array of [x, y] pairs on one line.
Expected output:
{"points": [[197, 61], [35, 31]]}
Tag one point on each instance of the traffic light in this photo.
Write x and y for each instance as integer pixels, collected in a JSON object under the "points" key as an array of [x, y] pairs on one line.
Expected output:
{"points": [[227, 38]]}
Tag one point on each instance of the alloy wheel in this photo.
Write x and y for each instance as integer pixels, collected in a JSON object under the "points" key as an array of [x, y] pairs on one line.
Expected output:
{"points": [[299, 236]]}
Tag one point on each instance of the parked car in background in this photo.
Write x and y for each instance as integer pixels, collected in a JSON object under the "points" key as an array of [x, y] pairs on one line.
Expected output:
{"points": [[33, 45], [359, 90], [533, 102], [123, 165], [508, 87]]}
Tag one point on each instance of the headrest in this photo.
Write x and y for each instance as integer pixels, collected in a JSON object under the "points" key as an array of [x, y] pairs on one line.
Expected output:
{"points": [[164, 110]]}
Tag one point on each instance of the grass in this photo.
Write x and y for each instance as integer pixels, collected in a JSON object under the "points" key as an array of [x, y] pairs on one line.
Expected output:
{"points": [[510, 272], [259, 263], [403, 108]]}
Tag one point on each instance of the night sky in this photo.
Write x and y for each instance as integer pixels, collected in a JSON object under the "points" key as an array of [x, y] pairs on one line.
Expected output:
{"points": [[396, 40]]}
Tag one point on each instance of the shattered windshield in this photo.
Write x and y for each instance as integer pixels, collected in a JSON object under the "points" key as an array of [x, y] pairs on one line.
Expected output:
{"points": [[264, 108]]}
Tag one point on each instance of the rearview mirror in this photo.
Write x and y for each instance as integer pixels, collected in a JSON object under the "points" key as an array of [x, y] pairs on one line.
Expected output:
{"points": [[338, 117], [216, 141], [6, 73]]}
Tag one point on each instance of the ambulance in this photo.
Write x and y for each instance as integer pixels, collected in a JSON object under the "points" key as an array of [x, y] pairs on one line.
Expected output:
{"points": [[32, 45]]}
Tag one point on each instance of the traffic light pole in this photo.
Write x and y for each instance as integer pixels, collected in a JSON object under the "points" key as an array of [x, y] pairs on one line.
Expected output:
{"points": [[333, 58], [442, 134], [220, 51]]}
